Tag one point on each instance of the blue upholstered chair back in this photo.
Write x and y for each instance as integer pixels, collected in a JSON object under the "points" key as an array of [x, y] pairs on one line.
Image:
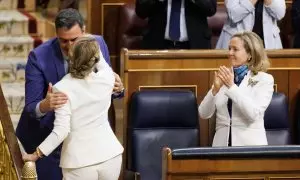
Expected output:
{"points": [[277, 120], [158, 119]]}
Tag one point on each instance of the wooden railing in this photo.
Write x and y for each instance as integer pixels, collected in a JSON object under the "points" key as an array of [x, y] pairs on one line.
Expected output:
{"points": [[11, 162]]}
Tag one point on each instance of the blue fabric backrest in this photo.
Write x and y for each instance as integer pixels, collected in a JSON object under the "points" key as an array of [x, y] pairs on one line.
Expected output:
{"points": [[277, 121], [158, 119]]}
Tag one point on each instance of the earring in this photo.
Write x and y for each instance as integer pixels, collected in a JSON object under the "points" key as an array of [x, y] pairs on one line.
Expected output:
{"points": [[249, 59]]}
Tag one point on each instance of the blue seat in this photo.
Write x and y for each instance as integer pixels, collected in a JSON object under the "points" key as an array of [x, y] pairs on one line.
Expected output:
{"points": [[277, 121], [158, 119]]}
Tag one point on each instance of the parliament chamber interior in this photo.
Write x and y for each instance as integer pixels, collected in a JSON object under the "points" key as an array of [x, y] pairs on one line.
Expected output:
{"points": [[157, 121]]}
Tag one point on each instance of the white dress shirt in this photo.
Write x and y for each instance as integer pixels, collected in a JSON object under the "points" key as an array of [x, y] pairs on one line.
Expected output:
{"points": [[183, 31]]}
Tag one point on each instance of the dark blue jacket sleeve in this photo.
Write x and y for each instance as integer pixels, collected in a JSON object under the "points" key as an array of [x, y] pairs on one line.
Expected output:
{"points": [[35, 90]]}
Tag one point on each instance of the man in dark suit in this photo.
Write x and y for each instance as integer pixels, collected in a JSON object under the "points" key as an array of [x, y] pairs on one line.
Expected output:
{"points": [[47, 64], [176, 24], [296, 22]]}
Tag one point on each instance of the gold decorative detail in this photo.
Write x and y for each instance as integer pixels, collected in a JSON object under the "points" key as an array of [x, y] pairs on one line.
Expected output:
{"points": [[252, 82], [7, 170], [29, 171]]}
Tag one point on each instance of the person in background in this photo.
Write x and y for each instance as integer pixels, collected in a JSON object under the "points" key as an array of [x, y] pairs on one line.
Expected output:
{"points": [[90, 148], [176, 24], [259, 16], [296, 22], [46, 65], [240, 94]]}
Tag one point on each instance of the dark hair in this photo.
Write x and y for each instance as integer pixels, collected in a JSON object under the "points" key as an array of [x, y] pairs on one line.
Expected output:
{"points": [[84, 54], [67, 18]]}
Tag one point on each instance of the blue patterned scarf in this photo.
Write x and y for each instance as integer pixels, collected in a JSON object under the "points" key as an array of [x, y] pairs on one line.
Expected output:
{"points": [[239, 74]]}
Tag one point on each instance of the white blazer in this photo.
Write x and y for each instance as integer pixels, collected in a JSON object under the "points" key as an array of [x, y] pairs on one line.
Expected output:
{"points": [[82, 123], [249, 103], [241, 16]]}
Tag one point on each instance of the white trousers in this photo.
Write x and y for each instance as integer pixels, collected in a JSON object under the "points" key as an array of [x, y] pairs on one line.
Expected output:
{"points": [[108, 170]]}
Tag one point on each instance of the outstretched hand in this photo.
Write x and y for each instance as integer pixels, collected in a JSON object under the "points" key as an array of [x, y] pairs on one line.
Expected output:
{"points": [[30, 157], [53, 100], [118, 86]]}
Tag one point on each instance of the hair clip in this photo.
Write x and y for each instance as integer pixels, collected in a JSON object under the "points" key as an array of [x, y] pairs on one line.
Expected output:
{"points": [[252, 82]]}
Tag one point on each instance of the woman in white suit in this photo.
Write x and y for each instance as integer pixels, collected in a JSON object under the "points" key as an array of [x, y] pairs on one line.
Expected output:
{"points": [[240, 94], [259, 16], [90, 149]]}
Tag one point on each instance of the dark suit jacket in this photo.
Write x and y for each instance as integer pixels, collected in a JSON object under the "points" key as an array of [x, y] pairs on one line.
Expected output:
{"points": [[196, 13], [296, 22], [45, 64]]}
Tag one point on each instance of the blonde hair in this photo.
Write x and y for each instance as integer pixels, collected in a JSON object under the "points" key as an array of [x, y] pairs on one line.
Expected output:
{"points": [[253, 45], [83, 56]]}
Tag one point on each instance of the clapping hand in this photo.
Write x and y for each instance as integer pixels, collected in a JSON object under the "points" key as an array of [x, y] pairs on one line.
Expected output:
{"points": [[217, 84], [226, 75]]}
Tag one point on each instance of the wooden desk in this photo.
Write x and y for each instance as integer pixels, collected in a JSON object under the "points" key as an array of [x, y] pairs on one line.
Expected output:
{"points": [[259, 167]]}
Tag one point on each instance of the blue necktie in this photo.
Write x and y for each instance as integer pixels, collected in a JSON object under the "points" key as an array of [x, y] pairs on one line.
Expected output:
{"points": [[174, 29]]}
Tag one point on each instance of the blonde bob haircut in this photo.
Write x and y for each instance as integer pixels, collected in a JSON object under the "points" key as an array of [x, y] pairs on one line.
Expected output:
{"points": [[84, 54], [258, 59]]}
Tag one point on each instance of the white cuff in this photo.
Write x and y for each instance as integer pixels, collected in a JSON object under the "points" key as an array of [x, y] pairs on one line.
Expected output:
{"points": [[38, 112]]}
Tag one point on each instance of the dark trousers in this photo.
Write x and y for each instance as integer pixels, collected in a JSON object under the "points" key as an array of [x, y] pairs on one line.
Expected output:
{"points": [[48, 167], [176, 44]]}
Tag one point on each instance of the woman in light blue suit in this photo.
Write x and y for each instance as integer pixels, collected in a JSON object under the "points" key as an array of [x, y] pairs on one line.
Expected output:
{"points": [[240, 95], [259, 16], [90, 149]]}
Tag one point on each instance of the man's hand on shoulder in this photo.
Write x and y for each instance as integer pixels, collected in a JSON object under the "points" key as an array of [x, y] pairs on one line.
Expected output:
{"points": [[53, 100]]}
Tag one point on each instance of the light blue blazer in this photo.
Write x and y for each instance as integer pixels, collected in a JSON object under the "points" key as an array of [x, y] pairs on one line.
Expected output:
{"points": [[241, 16]]}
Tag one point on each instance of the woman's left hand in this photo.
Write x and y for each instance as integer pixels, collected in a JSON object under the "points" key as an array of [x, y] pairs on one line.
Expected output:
{"points": [[226, 75], [30, 157]]}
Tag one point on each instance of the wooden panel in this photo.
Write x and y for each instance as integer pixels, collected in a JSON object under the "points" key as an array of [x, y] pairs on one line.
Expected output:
{"points": [[109, 25], [231, 165], [284, 178], [239, 178], [179, 79], [280, 81]]}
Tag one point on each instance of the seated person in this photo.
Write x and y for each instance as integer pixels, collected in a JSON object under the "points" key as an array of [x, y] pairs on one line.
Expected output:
{"points": [[90, 148], [259, 16], [296, 22], [240, 94]]}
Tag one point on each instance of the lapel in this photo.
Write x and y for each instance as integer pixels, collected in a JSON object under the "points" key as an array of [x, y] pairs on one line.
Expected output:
{"points": [[59, 61]]}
